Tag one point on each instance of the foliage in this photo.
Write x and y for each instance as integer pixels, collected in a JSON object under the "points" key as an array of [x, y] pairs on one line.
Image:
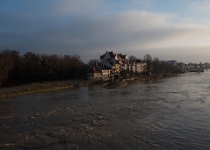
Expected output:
{"points": [[132, 58], [162, 67], [148, 60], [16, 69]]}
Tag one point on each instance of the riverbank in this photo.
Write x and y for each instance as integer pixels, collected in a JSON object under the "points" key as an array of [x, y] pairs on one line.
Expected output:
{"points": [[59, 85], [125, 82], [42, 87]]}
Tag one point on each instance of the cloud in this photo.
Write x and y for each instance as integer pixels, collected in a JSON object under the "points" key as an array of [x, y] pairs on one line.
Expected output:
{"points": [[79, 7], [184, 54], [203, 5], [145, 28], [141, 2], [132, 31], [71, 27]]}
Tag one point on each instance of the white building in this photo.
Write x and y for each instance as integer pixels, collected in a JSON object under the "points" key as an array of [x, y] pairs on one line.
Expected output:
{"points": [[172, 62]]}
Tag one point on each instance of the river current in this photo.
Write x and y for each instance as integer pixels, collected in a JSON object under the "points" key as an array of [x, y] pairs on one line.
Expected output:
{"points": [[171, 113]]}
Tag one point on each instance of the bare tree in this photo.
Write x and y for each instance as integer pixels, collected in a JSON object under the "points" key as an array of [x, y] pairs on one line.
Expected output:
{"points": [[148, 60], [91, 62], [132, 58], [16, 69]]}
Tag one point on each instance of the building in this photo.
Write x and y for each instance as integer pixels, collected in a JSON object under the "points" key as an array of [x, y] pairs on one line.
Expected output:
{"points": [[99, 71], [94, 73], [112, 57], [111, 65], [183, 67], [172, 62], [141, 66], [193, 67]]}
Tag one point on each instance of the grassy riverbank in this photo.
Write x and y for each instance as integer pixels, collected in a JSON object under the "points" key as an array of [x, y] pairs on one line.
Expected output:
{"points": [[59, 85], [42, 87]]}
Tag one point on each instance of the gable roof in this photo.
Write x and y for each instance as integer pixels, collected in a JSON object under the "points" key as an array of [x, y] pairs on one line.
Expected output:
{"points": [[94, 69], [112, 54], [107, 64]]}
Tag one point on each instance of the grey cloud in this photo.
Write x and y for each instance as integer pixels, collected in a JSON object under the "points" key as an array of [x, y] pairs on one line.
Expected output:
{"points": [[182, 54], [132, 32], [76, 7]]}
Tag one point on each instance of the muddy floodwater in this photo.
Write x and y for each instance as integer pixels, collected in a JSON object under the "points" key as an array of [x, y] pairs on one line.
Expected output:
{"points": [[171, 113]]}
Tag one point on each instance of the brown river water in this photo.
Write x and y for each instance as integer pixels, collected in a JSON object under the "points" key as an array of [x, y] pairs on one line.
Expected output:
{"points": [[171, 113]]}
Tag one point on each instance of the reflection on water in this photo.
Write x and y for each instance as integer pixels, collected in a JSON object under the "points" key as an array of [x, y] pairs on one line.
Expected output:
{"points": [[172, 113]]}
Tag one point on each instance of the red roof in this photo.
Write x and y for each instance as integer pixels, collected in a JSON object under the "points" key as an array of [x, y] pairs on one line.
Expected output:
{"points": [[94, 70]]}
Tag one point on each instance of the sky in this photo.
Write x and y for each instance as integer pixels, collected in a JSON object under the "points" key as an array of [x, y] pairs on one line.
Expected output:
{"points": [[167, 29]]}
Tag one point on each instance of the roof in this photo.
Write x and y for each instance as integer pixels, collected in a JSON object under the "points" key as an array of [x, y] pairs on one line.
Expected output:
{"points": [[94, 69], [105, 68], [107, 64], [114, 57], [139, 61], [102, 56], [123, 57], [112, 54]]}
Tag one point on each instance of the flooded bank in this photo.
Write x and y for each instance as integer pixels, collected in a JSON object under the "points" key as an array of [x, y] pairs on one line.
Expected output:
{"points": [[171, 113], [42, 87]]}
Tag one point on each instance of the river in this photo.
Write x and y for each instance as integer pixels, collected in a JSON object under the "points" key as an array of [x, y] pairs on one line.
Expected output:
{"points": [[171, 113]]}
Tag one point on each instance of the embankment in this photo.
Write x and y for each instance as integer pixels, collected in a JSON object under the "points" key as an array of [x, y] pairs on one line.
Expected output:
{"points": [[59, 85], [42, 87], [124, 82]]}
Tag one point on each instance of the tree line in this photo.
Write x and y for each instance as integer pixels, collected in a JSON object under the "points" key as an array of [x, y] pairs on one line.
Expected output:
{"points": [[159, 67], [155, 67], [30, 67]]}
